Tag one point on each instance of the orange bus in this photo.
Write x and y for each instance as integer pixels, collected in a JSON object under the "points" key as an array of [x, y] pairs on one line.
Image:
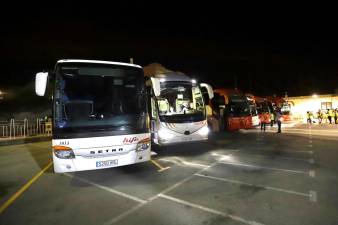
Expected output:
{"points": [[236, 112], [284, 105]]}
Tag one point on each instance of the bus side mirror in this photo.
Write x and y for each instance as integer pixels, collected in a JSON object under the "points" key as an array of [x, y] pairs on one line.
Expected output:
{"points": [[156, 86], [209, 89], [41, 83]]}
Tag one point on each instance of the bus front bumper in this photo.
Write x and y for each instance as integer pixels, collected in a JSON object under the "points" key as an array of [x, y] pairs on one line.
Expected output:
{"points": [[93, 163]]}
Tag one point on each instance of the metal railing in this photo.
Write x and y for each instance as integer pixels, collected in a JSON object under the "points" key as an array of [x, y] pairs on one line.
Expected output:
{"points": [[24, 128]]}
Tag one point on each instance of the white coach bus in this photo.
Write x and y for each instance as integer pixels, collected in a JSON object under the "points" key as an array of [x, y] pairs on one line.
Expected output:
{"points": [[100, 116], [178, 110]]}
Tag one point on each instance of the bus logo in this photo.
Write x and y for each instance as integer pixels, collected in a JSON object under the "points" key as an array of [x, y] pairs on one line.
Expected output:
{"points": [[130, 140]]}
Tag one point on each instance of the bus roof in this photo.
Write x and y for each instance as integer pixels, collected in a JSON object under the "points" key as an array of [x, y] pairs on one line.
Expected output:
{"points": [[96, 61], [172, 76]]}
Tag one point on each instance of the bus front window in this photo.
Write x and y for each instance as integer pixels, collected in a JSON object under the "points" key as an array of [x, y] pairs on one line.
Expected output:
{"points": [[239, 106], [99, 98], [180, 102]]}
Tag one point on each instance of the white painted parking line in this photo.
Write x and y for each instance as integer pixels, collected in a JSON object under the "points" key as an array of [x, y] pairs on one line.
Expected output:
{"points": [[124, 214], [206, 209], [181, 182], [111, 190], [264, 167], [257, 186], [313, 196], [312, 173], [159, 166], [300, 151], [196, 164], [292, 158], [277, 156], [176, 160], [133, 209]]}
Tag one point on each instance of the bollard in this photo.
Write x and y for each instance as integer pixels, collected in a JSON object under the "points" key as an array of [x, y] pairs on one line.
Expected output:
{"points": [[37, 125], [24, 127], [12, 129], [14, 133], [27, 128]]}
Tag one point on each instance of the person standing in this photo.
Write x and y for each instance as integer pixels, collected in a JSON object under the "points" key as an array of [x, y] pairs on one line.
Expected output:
{"points": [[319, 116], [272, 118], [308, 116], [332, 114], [325, 116], [278, 118], [336, 116], [329, 115], [264, 119]]}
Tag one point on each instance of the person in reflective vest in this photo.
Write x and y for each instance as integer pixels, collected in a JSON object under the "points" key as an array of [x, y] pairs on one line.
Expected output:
{"points": [[332, 115], [329, 115], [308, 117], [336, 116], [325, 116], [272, 118], [319, 116]]}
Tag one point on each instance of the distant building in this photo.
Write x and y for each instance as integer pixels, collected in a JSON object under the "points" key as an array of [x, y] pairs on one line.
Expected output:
{"points": [[301, 104]]}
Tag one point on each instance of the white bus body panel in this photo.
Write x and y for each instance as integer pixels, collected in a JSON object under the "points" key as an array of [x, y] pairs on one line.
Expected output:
{"points": [[93, 150], [255, 121], [172, 133]]}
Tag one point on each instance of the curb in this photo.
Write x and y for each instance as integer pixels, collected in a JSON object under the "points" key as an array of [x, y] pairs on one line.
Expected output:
{"points": [[24, 140]]}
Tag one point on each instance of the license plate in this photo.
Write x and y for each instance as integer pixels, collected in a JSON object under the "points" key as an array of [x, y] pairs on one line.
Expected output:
{"points": [[187, 138], [106, 163]]}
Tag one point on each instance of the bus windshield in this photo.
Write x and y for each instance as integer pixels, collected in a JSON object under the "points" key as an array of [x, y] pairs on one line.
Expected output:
{"points": [[253, 108], [239, 106], [263, 107], [99, 97], [180, 102]]}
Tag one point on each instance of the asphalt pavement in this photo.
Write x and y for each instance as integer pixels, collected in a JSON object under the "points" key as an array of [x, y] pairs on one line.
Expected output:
{"points": [[246, 177]]}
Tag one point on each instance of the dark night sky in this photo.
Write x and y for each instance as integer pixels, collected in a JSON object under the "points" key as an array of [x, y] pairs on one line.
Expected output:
{"points": [[268, 52]]}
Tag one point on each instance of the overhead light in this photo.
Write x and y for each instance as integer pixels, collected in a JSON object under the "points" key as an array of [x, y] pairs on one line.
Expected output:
{"points": [[193, 81], [314, 96]]}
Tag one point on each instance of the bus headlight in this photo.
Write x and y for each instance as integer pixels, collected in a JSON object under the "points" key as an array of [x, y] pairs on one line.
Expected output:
{"points": [[143, 145], [164, 134], [63, 152], [203, 131]]}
